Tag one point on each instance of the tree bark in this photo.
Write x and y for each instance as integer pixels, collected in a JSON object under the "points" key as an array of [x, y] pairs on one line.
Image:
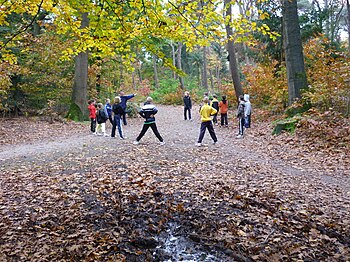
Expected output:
{"points": [[296, 75], [78, 109], [232, 53], [174, 58], [205, 69], [156, 81], [179, 64]]}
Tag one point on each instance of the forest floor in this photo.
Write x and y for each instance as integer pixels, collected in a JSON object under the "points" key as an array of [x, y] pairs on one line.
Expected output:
{"points": [[67, 195]]}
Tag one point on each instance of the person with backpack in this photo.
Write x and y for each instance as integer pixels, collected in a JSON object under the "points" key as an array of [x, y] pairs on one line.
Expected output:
{"points": [[118, 112], [101, 118], [215, 105], [223, 108], [240, 116]]}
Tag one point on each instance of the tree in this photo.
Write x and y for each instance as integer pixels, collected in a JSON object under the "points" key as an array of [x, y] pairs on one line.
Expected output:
{"points": [[231, 51], [296, 75]]}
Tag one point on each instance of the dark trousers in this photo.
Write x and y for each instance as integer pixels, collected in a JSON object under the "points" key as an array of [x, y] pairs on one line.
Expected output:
{"points": [[110, 119], [224, 119], [124, 119], [247, 121], [117, 123], [186, 109], [93, 125], [215, 118], [207, 125], [154, 129], [241, 125]]}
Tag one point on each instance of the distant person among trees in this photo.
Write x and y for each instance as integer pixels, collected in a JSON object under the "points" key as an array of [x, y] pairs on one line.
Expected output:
{"points": [[247, 111], [101, 118], [123, 100], [206, 112], [240, 116], [92, 115], [187, 105], [118, 111], [147, 112], [223, 108], [215, 104], [108, 110]]}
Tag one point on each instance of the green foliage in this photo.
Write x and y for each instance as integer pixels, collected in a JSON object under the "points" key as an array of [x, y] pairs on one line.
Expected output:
{"points": [[75, 113], [168, 92], [287, 124]]}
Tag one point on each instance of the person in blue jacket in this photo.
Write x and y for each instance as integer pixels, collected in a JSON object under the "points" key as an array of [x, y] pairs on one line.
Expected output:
{"points": [[108, 110], [123, 100]]}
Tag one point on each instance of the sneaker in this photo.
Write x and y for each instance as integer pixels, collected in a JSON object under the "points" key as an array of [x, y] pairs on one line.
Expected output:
{"points": [[136, 142], [162, 143], [106, 135], [121, 138], [198, 144], [215, 143], [239, 136]]}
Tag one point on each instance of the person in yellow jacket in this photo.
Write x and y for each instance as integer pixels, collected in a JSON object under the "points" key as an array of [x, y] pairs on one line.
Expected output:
{"points": [[206, 112]]}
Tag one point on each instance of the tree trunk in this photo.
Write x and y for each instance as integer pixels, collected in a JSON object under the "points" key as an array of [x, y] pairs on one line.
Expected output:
{"points": [[348, 10], [205, 69], [296, 75], [179, 64], [78, 108], [231, 52], [156, 81], [174, 58]]}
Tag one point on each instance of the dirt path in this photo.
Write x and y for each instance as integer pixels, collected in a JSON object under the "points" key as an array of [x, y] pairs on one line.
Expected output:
{"points": [[245, 198]]}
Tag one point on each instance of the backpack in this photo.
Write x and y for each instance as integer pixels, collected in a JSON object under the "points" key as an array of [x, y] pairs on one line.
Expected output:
{"points": [[101, 116], [240, 110]]}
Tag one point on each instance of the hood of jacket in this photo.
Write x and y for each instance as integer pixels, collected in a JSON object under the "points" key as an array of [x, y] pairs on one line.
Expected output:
{"points": [[246, 97]]}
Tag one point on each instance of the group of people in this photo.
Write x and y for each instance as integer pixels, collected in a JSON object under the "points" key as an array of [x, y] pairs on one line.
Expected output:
{"points": [[209, 110]]}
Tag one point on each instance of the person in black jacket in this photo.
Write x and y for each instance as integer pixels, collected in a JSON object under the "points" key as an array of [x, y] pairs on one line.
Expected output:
{"points": [[118, 111], [147, 112], [187, 105]]}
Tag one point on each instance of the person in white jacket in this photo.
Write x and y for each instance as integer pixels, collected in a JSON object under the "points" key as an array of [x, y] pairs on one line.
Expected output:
{"points": [[247, 111]]}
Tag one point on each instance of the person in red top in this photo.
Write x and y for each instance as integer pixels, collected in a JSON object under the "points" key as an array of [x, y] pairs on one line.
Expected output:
{"points": [[92, 115], [223, 107]]}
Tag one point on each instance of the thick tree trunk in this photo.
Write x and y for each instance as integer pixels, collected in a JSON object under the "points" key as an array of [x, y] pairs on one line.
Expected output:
{"points": [[205, 69], [232, 53], [293, 51], [156, 81], [78, 109], [179, 64]]}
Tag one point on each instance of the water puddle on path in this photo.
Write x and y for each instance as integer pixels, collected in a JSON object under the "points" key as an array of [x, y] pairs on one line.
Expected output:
{"points": [[175, 246]]}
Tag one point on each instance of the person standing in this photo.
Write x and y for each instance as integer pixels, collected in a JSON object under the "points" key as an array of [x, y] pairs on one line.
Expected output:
{"points": [[240, 116], [123, 100], [101, 118], [223, 107], [92, 115], [108, 110], [247, 111], [187, 105], [147, 112], [118, 111], [206, 112], [215, 105]]}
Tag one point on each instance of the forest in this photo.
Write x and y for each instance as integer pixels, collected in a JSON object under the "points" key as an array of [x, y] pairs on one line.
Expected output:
{"points": [[279, 194]]}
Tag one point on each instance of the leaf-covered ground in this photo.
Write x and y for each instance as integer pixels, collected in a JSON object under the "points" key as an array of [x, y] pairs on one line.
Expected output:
{"points": [[66, 195]]}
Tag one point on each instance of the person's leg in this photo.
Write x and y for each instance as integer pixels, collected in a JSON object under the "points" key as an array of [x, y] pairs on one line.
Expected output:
{"points": [[143, 132], [222, 119], [249, 121], [189, 114], [241, 126], [155, 131], [119, 125], [110, 120], [185, 114], [124, 119], [202, 132], [215, 118], [94, 125], [114, 126], [225, 117], [212, 132]]}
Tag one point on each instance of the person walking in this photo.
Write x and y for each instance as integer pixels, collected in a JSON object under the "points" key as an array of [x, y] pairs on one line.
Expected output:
{"points": [[117, 112], [223, 108], [187, 105], [92, 115], [147, 112], [123, 100], [206, 112]]}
